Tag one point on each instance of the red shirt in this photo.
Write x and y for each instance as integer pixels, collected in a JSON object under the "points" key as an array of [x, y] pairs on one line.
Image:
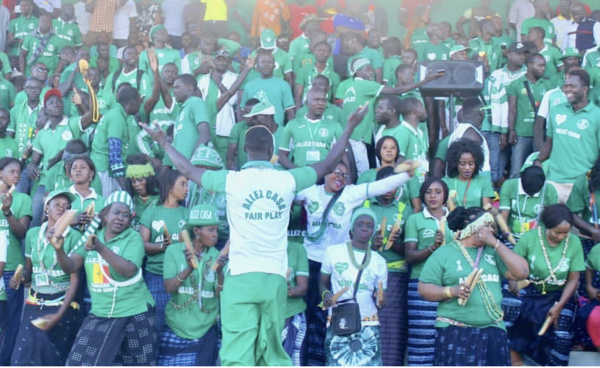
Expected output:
{"points": [[297, 14]]}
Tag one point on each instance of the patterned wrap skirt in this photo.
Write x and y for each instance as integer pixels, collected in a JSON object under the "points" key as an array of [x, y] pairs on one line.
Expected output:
{"points": [[360, 349], [292, 337], [471, 346], [177, 351], [393, 320], [421, 327]]}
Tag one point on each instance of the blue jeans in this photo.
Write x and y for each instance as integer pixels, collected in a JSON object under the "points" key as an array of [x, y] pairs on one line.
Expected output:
{"points": [[498, 157], [520, 152]]}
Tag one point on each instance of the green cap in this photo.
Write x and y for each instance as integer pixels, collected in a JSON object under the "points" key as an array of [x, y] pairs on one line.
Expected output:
{"points": [[267, 39], [529, 160], [363, 211], [59, 192], [208, 157], [458, 48], [203, 215], [120, 196], [262, 108], [357, 64], [155, 29], [570, 52]]}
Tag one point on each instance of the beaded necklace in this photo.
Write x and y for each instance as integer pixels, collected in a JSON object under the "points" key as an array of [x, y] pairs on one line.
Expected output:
{"points": [[492, 308], [552, 271], [353, 259]]}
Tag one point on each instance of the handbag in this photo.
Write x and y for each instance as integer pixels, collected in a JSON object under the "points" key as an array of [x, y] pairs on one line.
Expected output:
{"points": [[345, 317]]}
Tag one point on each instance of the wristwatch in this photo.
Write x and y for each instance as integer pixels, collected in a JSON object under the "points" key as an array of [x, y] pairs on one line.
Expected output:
{"points": [[8, 214]]}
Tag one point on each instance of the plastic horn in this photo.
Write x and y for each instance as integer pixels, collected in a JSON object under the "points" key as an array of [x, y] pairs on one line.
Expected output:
{"points": [[185, 236], [63, 222], [546, 324], [224, 252], [18, 274], [407, 166]]}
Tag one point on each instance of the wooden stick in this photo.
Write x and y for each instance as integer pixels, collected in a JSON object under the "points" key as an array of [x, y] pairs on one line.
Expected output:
{"points": [[546, 324], [274, 159], [288, 273], [40, 322], [18, 274], [63, 222], [337, 295], [473, 284], [379, 294], [394, 230], [522, 284], [91, 209], [468, 281], [224, 252], [185, 236], [382, 227], [450, 204], [443, 229], [166, 234], [12, 189], [407, 166]]}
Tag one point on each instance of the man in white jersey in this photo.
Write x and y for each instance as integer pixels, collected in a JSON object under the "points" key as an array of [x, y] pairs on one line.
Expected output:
{"points": [[258, 204]]}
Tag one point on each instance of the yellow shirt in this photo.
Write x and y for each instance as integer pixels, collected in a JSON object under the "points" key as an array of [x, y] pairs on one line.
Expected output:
{"points": [[215, 10]]}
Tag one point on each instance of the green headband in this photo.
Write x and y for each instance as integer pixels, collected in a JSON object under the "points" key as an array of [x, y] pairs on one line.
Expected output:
{"points": [[139, 171]]}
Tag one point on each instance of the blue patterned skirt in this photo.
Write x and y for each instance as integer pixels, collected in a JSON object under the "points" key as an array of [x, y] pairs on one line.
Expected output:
{"points": [[421, 327], [177, 351], [471, 346]]}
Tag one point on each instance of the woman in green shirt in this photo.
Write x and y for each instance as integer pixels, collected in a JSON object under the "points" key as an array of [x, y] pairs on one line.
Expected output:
{"points": [[14, 221], [82, 173], [386, 151], [555, 257], [467, 187], [160, 227], [52, 293], [142, 185], [425, 232], [471, 331], [121, 327], [190, 335]]}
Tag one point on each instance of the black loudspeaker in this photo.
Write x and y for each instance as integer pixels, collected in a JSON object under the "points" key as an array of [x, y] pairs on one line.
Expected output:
{"points": [[462, 78]]}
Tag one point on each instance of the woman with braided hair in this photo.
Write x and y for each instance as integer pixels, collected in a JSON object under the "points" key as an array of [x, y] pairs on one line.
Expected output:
{"points": [[469, 323], [555, 258]]}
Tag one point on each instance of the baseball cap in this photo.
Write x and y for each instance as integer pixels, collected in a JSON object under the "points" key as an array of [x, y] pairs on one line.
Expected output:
{"points": [[357, 64], [458, 48], [267, 39], [222, 53], [120, 196], [518, 47], [52, 92], [570, 52], [207, 156], [261, 108], [57, 193], [203, 215]]}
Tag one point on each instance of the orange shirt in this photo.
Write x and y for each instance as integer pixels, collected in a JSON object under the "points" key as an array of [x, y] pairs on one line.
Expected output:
{"points": [[268, 14]]}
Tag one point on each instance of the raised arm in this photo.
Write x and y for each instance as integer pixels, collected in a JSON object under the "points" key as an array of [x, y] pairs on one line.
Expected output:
{"points": [[225, 96]]}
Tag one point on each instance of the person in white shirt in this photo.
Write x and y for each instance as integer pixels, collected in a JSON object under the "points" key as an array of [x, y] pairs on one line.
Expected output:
{"points": [[564, 26], [125, 23], [519, 11]]}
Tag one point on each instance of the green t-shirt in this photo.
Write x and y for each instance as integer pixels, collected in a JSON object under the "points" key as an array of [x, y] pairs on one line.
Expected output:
{"points": [[238, 136], [447, 266], [49, 142], [593, 258], [358, 93], [413, 144], [187, 316], [579, 200], [575, 141], [198, 195], [592, 59], [421, 228], [431, 52], [68, 32], [525, 112], [110, 89], [307, 73], [298, 45], [298, 263], [8, 148], [7, 94], [470, 193], [22, 123], [310, 141], [110, 300], [80, 203], [394, 212], [113, 63], [275, 90], [56, 178], [185, 132], [419, 38], [367, 53], [529, 247], [115, 124], [155, 219], [553, 61], [524, 211], [442, 149], [283, 63], [48, 277], [163, 56], [21, 27], [48, 56], [389, 69], [21, 207], [544, 24], [141, 207], [368, 176], [492, 51]]}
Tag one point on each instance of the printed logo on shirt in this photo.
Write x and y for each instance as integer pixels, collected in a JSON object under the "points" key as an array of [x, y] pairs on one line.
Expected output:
{"points": [[158, 225], [340, 267], [70, 32], [490, 259], [67, 135], [560, 118], [313, 206], [538, 208], [458, 265], [31, 26], [98, 276], [323, 132], [339, 209], [564, 265], [583, 124], [8, 153], [50, 47], [181, 224], [431, 56], [428, 233]]}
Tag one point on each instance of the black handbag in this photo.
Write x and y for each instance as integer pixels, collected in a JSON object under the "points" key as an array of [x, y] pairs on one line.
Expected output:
{"points": [[345, 317]]}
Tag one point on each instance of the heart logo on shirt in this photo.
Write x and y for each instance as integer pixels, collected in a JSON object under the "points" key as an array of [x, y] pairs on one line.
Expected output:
{"points": [[560, 119], [313, 206], [340, 267], [158, 225], [431, 56]]}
